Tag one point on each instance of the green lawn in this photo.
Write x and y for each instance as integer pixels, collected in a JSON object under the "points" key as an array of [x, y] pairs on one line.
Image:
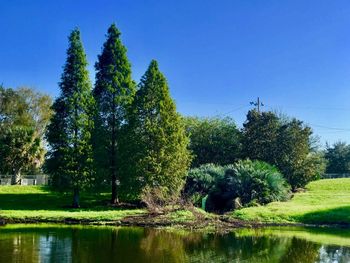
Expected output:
{"points": [[324, 202], [36, 202]]}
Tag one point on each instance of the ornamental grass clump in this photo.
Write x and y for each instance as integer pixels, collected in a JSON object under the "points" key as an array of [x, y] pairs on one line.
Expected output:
{"points": [[248, 183], [201, 180]]}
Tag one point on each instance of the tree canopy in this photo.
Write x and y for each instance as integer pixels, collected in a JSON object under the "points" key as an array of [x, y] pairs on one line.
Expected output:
{"points": [[114, 92], [70, 160], [213, 140], [285, 143], [338, 158], [24, 115], [161, 155]]}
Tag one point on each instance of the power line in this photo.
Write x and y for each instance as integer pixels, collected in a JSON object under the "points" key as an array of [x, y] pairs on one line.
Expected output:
{"points": [[236, 109], [310, 107], [330, 128]]}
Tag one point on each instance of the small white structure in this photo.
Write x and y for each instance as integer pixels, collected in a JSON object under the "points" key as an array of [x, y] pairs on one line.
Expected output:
{"points": [[39, 179]]}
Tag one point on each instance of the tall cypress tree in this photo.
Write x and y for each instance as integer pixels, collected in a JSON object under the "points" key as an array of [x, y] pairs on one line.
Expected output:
{"points": [[114, 92], [161, 156], [69, 135]]}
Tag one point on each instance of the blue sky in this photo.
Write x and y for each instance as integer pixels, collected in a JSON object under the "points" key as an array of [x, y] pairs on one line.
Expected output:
{"points": [[217, 55]]}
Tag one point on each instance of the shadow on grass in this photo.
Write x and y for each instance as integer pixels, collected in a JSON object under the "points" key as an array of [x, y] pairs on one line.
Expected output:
{"points": [[51, 201], [333, 216]]}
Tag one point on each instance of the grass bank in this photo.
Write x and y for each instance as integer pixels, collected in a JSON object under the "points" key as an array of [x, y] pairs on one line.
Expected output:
{"points": [[324, 202], [40, 203], [32, 204]]}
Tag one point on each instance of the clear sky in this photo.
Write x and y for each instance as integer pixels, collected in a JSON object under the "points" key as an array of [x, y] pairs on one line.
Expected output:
{"points": [[217, 55]]}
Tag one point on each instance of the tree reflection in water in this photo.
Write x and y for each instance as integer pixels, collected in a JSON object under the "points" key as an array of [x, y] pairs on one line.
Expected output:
{"points": [[100, 244]]}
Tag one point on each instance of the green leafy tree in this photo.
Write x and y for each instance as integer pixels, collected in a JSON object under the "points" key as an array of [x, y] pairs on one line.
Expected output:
{"points": [[20, 149], [24, 115], [338, 158], [285, 143], [260, 133], [213, 140], [38, 107], [12, 109], [70, 159], [161, 156], [114, 92], [294, 155]]}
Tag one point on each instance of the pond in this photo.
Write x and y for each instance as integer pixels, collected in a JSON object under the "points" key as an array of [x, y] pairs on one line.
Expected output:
{"points": [[52, 243]]}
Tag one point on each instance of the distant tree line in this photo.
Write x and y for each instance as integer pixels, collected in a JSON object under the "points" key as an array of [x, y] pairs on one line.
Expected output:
{"points": [[338, 158], [286, 143], [130, 138]]}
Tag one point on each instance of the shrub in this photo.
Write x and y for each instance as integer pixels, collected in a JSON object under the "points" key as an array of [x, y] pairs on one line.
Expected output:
{"points": [[247, 183], [312, 168], [200, 181], [159, 200]]}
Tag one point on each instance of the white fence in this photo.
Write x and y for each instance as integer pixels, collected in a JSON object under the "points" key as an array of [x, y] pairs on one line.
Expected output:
{"points": [[330, 176], [39, 179]]}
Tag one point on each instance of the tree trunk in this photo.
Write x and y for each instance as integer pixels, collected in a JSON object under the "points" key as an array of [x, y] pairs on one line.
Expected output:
{"points": [[114, 199], [16, 178], [76, 203]]}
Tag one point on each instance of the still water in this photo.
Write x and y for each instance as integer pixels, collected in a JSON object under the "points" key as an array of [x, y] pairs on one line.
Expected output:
{"points": [[52, 243]]}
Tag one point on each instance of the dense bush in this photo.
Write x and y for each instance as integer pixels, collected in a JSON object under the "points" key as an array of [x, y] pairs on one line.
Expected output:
{"points": [[247, 183], [201, 180], [311, 169]]}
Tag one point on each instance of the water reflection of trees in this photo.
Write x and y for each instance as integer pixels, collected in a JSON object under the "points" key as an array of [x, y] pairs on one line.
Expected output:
{"points": [[330, 254], [149, 245]]}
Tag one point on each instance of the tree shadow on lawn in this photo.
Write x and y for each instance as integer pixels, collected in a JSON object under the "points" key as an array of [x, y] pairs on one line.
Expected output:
{"points": [[51, 201], [333, 216]]}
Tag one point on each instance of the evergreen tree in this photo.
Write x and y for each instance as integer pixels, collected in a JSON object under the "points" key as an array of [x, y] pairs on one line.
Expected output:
{"points": [[161, 157], [70, 160], [114, 92]]}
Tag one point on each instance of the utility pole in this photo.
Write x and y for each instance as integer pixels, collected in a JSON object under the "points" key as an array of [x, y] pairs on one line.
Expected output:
{"points": [[257, 104]]}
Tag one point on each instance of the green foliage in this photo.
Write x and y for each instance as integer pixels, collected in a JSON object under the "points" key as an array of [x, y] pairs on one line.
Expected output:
{"points": [[213, 140], [248, 182], [201, 180], [70, 160], [20, 150], [159, 156], [260, 133], [284, 143], [36, 110], [114, 92], [338, 158], [24, 114], [312, 168], [13, 109]]}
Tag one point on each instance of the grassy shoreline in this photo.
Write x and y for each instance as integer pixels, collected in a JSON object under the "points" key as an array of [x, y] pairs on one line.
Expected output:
{"points": [[324, 203]]}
